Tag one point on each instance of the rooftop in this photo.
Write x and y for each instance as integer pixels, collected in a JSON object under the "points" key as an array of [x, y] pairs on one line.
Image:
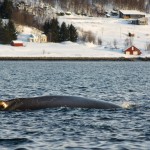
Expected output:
{"points": [[134, 12], [17, 41]]}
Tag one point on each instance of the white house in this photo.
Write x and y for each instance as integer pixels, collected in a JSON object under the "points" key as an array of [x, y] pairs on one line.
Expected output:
{"points": [[39, 38]]}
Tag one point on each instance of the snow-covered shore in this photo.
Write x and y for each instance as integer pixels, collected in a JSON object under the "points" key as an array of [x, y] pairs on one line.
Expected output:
{"points": [[108, 29], [63, 50], [66, 49]]}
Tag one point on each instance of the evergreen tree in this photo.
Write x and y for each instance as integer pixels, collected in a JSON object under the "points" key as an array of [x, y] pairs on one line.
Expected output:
{"points": [[64, 32], [6, 9], [6, 38], [1, 30], [51, 29], [54, 30], [73, 35], [1, 24], [8, 33], [55, 33], [46, 27], [12, 30]]}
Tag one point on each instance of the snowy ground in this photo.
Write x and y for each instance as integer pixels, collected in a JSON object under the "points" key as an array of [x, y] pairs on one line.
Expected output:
{"points": [[66, 49], [108, 29]]}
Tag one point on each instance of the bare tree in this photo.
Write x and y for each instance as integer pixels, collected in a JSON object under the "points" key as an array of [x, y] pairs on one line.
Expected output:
{"points": [[88, 36], [99, 41], [115, 43], [127, 42], [147, 47], [91, 37]]}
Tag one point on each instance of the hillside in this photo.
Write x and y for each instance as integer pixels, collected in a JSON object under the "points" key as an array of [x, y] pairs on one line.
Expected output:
{"points": [[42, 10]]}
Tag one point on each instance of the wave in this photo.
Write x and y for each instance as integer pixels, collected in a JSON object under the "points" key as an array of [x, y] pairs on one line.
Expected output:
{"points": [[14, 141], [128, 105]]}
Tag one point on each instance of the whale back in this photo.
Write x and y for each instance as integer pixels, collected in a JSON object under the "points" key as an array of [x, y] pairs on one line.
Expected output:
{"points": [[54, 102]]}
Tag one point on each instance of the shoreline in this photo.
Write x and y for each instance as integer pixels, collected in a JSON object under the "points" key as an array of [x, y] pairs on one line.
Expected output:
{"points": [[74, 59]]}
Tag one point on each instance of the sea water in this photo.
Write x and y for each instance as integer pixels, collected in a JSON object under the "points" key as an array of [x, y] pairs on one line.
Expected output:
{"points": [[123, 83]]}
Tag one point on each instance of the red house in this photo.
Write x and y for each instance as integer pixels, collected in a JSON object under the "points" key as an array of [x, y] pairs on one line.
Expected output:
{"points": [[132, 51], [16, 43]]}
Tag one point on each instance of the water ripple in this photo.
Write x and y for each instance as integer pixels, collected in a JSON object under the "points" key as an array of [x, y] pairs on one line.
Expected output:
{"points": [[75, 129], [14, 142]]}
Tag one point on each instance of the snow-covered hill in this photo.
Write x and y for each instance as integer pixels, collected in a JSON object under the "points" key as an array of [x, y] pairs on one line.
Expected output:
{"points": [[46, 9]]}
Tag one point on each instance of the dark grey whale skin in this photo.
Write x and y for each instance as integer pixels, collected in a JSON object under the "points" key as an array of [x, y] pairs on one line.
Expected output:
{"points": [[35, 103]]}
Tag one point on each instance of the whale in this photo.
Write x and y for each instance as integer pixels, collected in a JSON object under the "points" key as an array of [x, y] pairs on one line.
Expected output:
{"points": [[36, 103]]}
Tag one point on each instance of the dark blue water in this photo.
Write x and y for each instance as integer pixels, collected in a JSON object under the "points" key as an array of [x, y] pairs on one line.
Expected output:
{"points": [[77, 129]]}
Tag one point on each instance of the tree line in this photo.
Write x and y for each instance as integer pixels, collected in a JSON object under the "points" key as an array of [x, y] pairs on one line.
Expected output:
{"points": [[6, 9], [7, 27], [96, 7], [130, 4], [59, 33]]}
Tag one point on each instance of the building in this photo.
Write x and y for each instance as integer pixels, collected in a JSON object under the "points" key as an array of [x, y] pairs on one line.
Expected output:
{"points": [[114, 13], [16, 43], [132, 51], [33, 38], [143, 21], [108, 15], [140, 21], [68, 13], [43, 38], [127, 14], [40, 38]]}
